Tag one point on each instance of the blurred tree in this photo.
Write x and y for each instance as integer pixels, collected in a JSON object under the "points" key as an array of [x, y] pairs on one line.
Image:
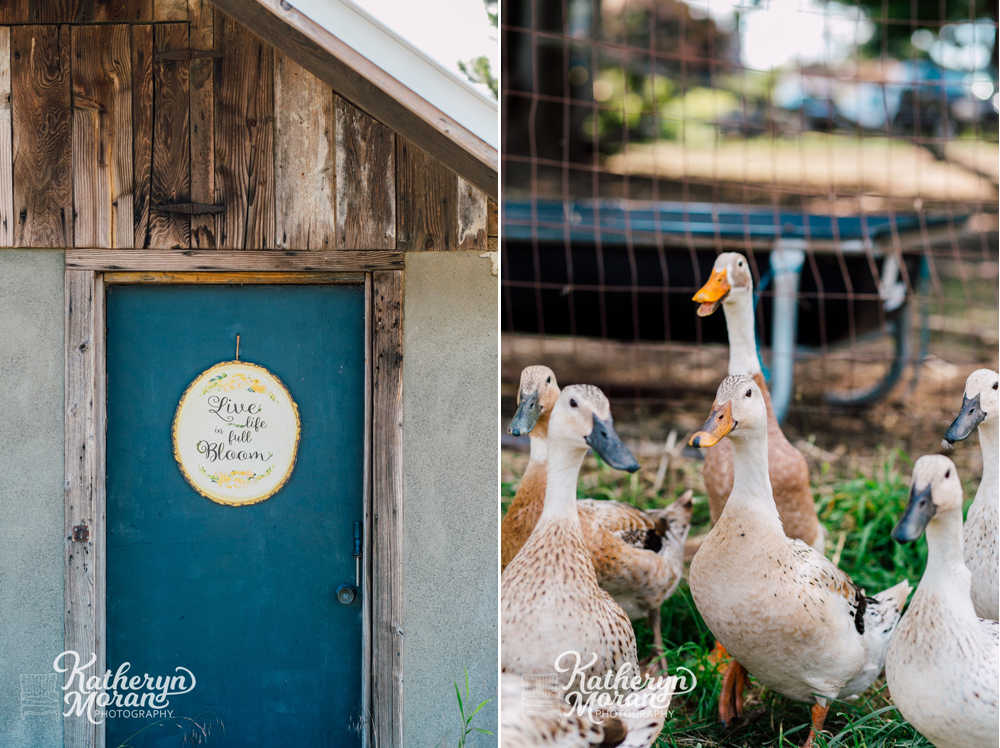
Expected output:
{"points": [[921, 14], [478, 69], [669, 51]]}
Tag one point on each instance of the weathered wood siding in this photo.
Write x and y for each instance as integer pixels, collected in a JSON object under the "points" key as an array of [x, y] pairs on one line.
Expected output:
{"points": [[165, 124]]}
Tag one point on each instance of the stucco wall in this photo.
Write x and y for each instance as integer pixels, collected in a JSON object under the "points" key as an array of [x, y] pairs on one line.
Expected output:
{"points": [[31, 485], [450, 479]]}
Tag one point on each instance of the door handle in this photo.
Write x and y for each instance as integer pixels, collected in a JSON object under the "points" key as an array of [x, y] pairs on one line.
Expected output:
{"points": [[346, 593]]}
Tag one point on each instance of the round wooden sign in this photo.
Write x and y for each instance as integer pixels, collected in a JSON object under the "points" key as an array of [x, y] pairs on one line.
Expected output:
{"points": [[236, 433]]}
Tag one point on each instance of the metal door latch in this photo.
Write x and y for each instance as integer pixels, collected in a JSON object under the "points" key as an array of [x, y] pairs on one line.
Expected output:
{"points": [[81, 534], [347, 592]]}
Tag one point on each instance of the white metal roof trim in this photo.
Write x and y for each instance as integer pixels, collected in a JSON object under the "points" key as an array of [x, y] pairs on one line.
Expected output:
{"points": [[419, 72]]}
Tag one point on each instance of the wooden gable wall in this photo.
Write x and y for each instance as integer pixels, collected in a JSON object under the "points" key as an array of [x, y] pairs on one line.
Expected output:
{"points": [[123, 122]]}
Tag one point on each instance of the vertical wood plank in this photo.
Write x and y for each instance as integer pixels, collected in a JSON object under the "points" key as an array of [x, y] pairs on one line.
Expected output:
{"points": [[171, 171], [102, 136], [6, 165], [99, 535], [492, 218], [121, 11], [42, 147], [15, 11], [304, 169], [366, 183], [472, 216], [244, 137], [426, 195], [59, 11], [142, 131], [170, 10], [201, 19], [83, 584], [366, 492], [387, 508]]}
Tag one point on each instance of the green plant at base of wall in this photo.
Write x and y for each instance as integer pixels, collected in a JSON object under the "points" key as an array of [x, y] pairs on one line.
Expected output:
{"points": [[467, 728]]}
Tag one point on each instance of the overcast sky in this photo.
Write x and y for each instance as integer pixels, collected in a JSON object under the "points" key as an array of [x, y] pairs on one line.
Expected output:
{"points": [[447, 30]]}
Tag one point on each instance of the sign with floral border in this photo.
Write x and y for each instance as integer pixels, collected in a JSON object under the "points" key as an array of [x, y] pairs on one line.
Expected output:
{"points": [[236, 433]]}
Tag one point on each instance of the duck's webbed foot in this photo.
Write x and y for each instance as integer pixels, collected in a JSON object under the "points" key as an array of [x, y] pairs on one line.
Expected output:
{"points": [[818, 719], [734, 683], [719, 656]]}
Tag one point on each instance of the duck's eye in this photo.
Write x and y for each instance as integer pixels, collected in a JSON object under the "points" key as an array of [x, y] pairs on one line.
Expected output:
{"points": [[947, 473], [995, 385], [749, 393], [740, 263], [572, 403], [548, 380]]}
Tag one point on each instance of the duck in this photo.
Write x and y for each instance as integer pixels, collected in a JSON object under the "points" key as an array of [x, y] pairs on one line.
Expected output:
{"points": [[545, 722], [638, 555], [943, 664], [783, 610], [555, 618], [536, 395], [979, 410], [731, 287]]}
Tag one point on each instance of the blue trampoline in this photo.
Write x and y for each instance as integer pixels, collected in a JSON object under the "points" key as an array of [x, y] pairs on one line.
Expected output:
{"points": [[626, 270]]}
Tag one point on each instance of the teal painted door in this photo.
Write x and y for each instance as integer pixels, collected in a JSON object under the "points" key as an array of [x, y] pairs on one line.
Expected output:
{"points": [[241, 596]]}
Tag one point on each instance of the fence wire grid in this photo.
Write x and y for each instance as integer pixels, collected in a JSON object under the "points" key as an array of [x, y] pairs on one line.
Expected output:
{"points": [[856, 140]]}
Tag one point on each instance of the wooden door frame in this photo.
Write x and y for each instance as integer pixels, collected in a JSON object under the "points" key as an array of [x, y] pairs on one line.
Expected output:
{"points": [[88, 272]]}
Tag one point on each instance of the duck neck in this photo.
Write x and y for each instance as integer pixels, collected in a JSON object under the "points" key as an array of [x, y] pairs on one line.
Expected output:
{"points": [[560, 485], [539, 441], [751, 494], [743, 357], [945, 563], [989, 442]]}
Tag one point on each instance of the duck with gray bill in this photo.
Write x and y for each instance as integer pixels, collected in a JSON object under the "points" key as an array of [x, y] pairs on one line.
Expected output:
{"points": [[638, 555], [529, 410], [967, 420], [980, 404], [918, 513], [604, 440]]}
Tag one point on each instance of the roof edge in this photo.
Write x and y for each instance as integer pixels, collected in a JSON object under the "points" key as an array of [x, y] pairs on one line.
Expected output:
{"points": [[411, 66], [367, 85]]}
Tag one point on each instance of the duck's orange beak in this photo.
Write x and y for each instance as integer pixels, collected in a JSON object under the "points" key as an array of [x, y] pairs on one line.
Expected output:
{"points": [[717, 426], [712, 293]]}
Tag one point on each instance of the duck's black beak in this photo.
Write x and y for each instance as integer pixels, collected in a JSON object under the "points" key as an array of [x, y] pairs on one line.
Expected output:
{"points": [[918, 513], [529, 410], [966, 422], [605, 441]]}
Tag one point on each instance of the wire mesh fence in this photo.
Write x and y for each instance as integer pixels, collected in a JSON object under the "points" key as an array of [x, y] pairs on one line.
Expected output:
{"points": [[848, 150]]}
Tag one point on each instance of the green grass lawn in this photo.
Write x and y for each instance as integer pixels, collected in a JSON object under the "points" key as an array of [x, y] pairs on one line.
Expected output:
{"points": [[858, 512]]}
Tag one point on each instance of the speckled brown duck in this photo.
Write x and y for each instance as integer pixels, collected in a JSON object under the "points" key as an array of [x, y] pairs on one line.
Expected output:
{"points": [[545, 725], [550, 601], [790, 617], [731, 286], [536, 395], [638, 555]]}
